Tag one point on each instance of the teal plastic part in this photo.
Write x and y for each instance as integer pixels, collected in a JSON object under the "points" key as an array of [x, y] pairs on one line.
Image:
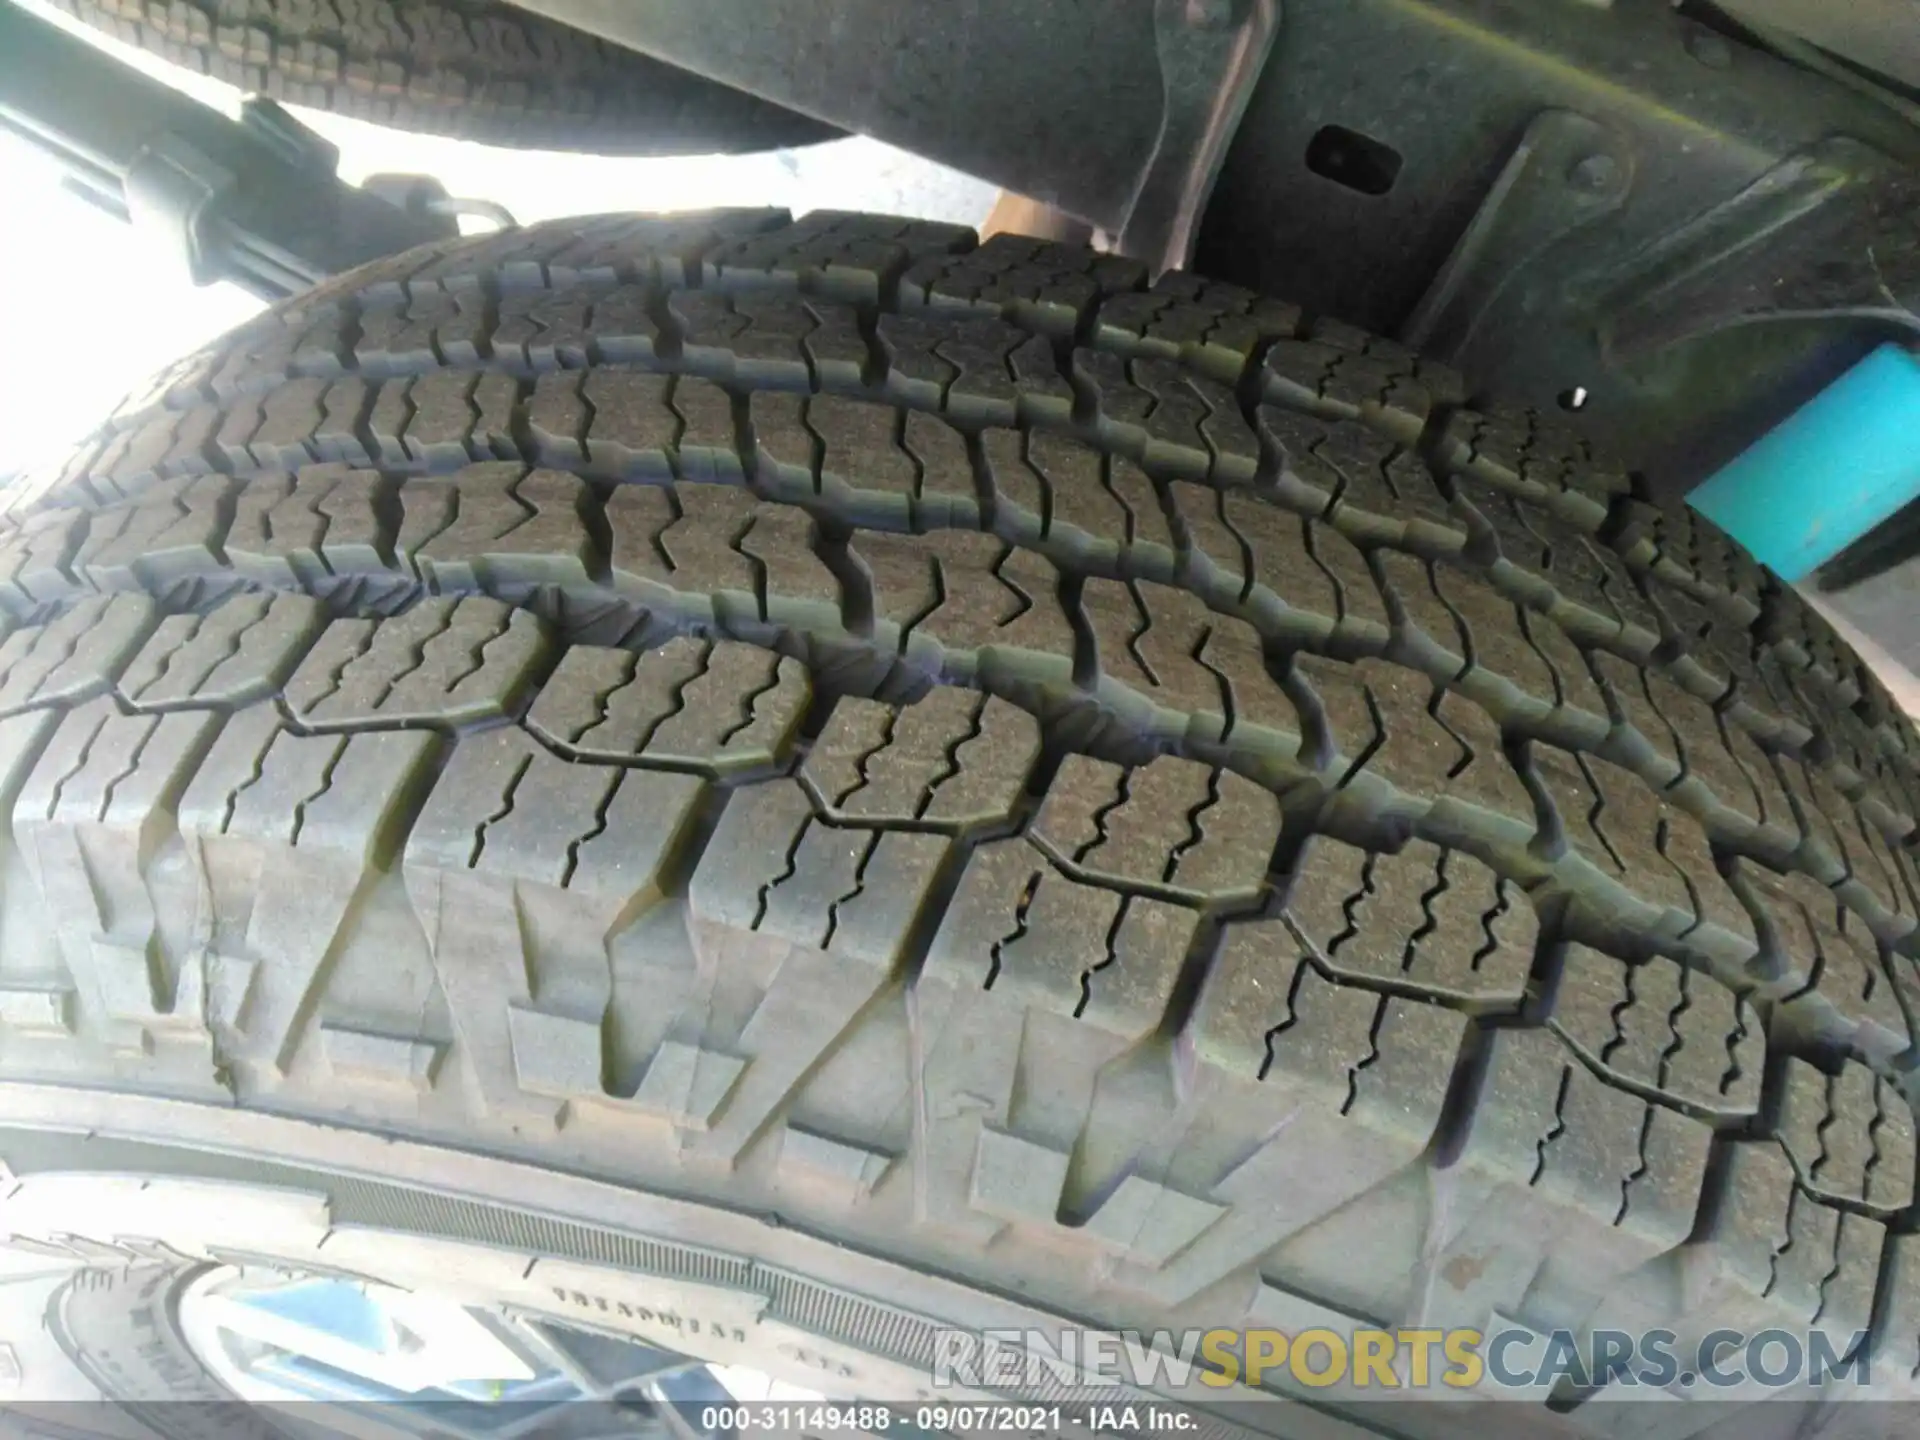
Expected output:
{"points": [[1836, 468]]}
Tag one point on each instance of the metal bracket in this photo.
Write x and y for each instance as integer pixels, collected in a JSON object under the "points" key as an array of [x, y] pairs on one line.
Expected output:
{"points": [[1211, 53], [1567, 172], [169, 189], [253, 200], [1806, 239]]}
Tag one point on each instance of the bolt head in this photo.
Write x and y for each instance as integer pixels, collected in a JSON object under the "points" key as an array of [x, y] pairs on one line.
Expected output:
{"points": [[1213, 14], [1594, 173]]}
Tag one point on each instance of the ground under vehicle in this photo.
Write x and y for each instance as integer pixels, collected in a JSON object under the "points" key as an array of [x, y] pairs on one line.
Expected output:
{"points": [[826, 780]]}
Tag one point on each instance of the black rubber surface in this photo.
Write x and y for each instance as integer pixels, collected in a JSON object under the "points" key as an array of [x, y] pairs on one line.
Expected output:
{"points": [[1134, 795], [474, 69]]}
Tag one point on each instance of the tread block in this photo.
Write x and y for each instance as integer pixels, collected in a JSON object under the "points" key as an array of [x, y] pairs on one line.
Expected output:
{"points": [[368, 1056], [303, 528], [1710, 766], [446, 660], [37, 1011], [440, 433], [630, 432], [717, 705], [172, 531], [1585, 586], [1040, 284], [838, 350], [1032, 986], [910, 472], [846, 1173], [1287, 1068], [1849, 1135], [917, 374], [1719, 661], [635, 431], [1266, 1014], [664, 249], [1610, 819], [833, 254], [1433, 920], [1290, 574], [1051, 491], [1445, 385], [1802, 638], [1175, 668], [769, 341], [1686, 549], [241, 650], [1341, 383], [74, 656], [1173, 827], [261, 782], [687, 1084], [504, 807], [1870, 776], [1819, 812], [1423, 620], [514, 842], [297, 824], [540, 330], [1770, 1254], [504, 526], [1214, 327], [36, 557], [804, 923], [771, 863], [955, 760], [1020, 928], [1501, 658], [999, 374], [1428, 742], [134, 459], [1827, 966], [556, 417], [180, 383], [1017, 1179], [1557, 1168], [1147, 1224], [407, 333], [1359, 479], [1875, 880], [705, 526], [715, 553], [88, 817], [1177, 424], [1525, 453], [1661, 1027], [309, 338], [343, 436], [962, 605], [1577, 707]]}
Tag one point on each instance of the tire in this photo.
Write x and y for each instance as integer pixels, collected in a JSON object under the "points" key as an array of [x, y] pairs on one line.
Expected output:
{"points": [[473, 69], [1128, 799]]}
